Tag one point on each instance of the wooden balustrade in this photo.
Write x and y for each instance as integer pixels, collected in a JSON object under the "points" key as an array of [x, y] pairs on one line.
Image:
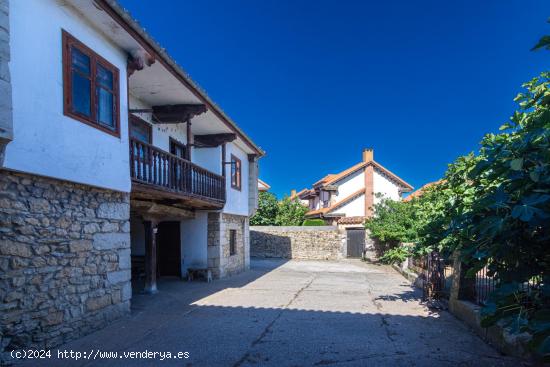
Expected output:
{"points": [[151, 165]]}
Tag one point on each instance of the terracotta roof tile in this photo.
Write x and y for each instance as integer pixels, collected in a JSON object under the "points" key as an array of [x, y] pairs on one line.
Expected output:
{"points": [[351, 220], [337, 204]]}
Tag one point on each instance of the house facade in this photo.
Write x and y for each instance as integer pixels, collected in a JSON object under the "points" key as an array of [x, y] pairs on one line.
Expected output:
{"points": [[347, 198], [115, 169]]}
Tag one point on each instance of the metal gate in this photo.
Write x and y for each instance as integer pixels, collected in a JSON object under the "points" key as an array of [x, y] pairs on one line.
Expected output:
{"points": [[356, 242], [436, 280]]}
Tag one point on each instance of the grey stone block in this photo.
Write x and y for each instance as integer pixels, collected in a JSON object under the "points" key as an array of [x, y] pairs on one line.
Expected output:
{"points": [[110, 241], [115, 277], [120, 211]]}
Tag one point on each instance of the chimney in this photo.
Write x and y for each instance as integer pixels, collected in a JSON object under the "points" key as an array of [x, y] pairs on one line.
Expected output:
{"points": [[368, 154], [292, 193]]}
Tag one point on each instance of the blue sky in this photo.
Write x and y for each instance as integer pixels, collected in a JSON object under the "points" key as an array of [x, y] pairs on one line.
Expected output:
{"points": [[314, 82]]}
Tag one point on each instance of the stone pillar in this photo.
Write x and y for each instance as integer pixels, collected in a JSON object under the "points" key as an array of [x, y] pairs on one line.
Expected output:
{"points": [[150, 256], [214, 244], [6, 121], [462, 288]]}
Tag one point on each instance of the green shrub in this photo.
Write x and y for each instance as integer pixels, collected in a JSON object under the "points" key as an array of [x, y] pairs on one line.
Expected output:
{"points": [[313, 222], [396, 255]]}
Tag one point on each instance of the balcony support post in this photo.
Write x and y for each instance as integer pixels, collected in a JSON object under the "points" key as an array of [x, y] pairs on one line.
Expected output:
{"points": [[189, 140], [151, 227]]}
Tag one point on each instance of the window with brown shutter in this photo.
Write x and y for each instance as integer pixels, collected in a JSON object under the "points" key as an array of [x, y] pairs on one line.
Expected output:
{"points": [[235, 172], [90, 87]]}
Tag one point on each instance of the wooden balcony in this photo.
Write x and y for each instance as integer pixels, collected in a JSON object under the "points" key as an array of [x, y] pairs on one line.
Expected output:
{"points": [[161, 176]]}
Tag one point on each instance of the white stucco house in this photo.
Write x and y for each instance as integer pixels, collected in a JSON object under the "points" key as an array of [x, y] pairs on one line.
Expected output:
{"points": [[263, 186], [347, 198], [115, 169]]}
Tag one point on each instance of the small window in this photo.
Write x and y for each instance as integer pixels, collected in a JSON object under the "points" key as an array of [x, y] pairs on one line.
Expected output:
{"points": [[235, 172], [90, 85], [232, 242], [140, 130], [178, 149]]}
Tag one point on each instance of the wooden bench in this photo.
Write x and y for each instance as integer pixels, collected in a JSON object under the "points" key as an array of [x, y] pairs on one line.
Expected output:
{"points": [[193, 273]]}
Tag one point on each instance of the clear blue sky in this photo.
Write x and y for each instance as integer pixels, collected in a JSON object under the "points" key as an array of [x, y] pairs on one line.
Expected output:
{"points": [[314, 82]]}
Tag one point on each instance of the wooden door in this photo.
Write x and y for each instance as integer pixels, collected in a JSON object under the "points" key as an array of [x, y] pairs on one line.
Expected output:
{"points": [[169, 249], [356, 241]]}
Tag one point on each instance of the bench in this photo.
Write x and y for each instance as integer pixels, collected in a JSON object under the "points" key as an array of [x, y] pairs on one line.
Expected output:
{"points": [[193, 273]]}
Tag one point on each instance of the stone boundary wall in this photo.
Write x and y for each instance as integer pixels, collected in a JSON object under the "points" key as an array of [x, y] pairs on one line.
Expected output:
{"points": [[317, 243], [64, 260]]}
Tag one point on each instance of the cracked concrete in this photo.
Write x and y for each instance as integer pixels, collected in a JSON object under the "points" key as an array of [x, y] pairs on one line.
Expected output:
{"points": [[296, 313]]}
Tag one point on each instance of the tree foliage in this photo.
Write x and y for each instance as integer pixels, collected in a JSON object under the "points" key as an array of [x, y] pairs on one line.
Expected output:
{"points": [[291, 212], [270, 212], [268, 208]]}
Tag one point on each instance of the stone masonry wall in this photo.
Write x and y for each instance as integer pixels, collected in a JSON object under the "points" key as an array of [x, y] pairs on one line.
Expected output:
{"points": [[220, 262], [319, 243], [64, 260], [6, 124]]}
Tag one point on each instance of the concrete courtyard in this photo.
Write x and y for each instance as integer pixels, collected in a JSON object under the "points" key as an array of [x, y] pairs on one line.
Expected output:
{"points": [[296, 313]]}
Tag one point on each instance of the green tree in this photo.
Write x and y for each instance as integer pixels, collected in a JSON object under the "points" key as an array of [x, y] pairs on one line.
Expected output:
{"points": [[268, 208], [291, 212]]}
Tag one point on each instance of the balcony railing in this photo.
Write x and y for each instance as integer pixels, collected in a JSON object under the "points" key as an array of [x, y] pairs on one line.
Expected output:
{"points": [[153, 166]]}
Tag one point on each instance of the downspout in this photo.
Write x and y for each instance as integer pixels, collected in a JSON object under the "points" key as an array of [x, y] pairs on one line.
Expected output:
{"points": [[6, 113]]}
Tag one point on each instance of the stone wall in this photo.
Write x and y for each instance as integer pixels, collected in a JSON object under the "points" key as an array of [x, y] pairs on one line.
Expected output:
{"points": [[64, 260], [6, 124], [320, 243], [220, 262]]}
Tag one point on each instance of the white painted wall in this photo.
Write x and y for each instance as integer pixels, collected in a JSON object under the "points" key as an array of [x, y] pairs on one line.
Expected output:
{"points": [[350, 184], [194, 235], [237, 201], [45, 141], [354, 208], [385, 186], [211, 159]]}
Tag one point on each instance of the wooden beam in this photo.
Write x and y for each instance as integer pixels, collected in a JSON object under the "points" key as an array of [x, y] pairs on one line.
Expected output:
{"points": [[177, 113], [152, 210], [213, 140]]}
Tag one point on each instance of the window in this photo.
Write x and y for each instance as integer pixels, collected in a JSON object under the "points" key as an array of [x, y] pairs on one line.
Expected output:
{"points": [[140, 130], [235, 172], [232, 242], [177, 148], [90, 87]]}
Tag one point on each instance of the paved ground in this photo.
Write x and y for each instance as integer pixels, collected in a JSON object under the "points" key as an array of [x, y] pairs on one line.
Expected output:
{"points": [[298, 313]]}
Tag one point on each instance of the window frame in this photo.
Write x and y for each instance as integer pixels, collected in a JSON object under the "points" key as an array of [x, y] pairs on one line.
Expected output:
{"points": [[139, 121], [174, 142], [232, 242], [238, 173], [69, 41]]}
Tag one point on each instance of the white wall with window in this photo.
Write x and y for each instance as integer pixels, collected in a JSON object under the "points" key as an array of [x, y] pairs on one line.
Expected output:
{"points": [[237, 198], [48, 140]]}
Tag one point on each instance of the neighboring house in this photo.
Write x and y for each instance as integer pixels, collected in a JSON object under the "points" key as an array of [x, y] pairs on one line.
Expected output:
{"points": [[115, 169], [262, 186], [347, 198], [418, 193], [296, 195]]}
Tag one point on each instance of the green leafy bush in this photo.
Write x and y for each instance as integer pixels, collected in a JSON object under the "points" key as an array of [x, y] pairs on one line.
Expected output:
{"points": [[267, 210], [291, 212], [313, 222], [396, 255]]}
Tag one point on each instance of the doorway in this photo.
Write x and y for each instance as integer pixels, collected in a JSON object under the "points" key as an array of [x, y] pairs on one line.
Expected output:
{"points": [[169, 249], [356, 242]]}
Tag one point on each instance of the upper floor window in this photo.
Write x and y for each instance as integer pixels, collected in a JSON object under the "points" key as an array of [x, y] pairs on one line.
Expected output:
{"points": [[235, 172], [90, 87], [178, 149], [140, 130]]}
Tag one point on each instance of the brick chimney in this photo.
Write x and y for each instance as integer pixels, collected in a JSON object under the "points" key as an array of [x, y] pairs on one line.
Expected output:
{"points": [[292, 193], [368, 154]]}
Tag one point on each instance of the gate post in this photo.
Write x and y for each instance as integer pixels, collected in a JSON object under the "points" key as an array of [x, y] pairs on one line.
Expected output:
{"points": [[462, 288]]}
